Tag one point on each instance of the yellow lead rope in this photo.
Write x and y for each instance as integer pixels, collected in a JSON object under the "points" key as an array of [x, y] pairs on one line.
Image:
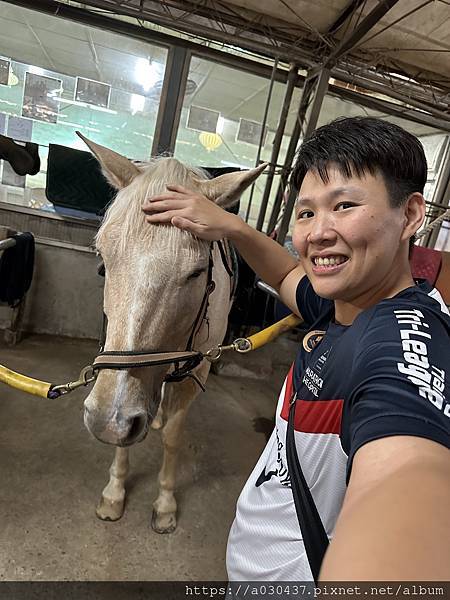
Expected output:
{"points": [[270, 333], [24, 383], [44, 389]]}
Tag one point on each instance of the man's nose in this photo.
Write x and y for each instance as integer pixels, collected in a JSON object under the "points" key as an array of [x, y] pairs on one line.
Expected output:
{"points": [[322, 228]]}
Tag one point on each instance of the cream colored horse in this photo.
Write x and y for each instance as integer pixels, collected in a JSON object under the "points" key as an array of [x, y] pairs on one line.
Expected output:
{"points": [[156, 277]]}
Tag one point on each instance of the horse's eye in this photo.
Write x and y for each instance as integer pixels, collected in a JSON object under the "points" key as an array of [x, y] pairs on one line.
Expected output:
{"points": [[196, 274]]}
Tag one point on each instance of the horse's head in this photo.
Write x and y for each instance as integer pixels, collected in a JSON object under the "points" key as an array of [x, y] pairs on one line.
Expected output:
{"points": [[156, 278]]}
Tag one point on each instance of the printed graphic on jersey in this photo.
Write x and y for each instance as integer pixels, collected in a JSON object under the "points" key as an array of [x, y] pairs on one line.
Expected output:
{"points": [[281, 470], [429, 379], [320, 363]]}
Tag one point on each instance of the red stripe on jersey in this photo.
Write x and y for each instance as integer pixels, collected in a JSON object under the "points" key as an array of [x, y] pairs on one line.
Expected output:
{"points": [[289, 390], [312, 416], [318, 416]]}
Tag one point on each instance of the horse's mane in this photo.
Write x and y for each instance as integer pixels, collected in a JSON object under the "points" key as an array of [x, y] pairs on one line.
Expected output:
{"points": [[124, 220]]}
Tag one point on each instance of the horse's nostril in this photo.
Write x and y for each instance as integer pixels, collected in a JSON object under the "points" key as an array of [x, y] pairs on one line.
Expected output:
{"points": [[138, 425]]}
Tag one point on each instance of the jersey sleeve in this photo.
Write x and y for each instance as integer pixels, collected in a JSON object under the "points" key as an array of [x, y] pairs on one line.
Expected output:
{"points": [[310, 305], [400, 382]]}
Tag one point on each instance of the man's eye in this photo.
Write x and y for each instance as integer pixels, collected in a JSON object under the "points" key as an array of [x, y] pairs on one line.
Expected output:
{"points": [[344, 205], [305, 214]]}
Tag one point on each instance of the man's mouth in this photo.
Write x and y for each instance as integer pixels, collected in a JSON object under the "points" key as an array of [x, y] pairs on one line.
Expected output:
{"points": [[329, 261]]}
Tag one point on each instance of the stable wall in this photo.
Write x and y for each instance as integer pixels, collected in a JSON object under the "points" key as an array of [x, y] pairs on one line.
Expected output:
{"points": [[66, 295]]}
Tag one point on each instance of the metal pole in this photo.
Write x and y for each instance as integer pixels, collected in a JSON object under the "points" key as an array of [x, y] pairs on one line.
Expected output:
{"points": [[290, 154], [8, 243], [171, 101], [291, 81], [263, 130], [284, 177], [321, 86], [359, 32], [441, 192]]}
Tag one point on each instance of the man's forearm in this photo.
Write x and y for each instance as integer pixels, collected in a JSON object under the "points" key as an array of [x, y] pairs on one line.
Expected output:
{"points": [[396, 531], [267, 258]]}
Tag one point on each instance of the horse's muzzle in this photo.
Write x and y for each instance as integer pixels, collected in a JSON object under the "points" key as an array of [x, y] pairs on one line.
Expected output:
{"points": [[119, 429]]}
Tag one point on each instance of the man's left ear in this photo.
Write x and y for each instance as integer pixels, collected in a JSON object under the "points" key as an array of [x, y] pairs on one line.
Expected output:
{"points": [[414, 215]]}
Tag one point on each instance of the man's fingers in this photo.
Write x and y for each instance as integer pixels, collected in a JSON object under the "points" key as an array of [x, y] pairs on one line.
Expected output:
{"points": [[161, 204], [188, 225], [162, 217], [179, 189], [183, 223]]}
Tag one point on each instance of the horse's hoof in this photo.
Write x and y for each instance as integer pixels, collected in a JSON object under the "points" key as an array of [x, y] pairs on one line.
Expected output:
{"points": [[109, 510], [164, 523]]}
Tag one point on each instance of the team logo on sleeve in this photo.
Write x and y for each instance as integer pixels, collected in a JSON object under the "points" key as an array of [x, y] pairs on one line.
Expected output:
{"points": [[312, 338]]}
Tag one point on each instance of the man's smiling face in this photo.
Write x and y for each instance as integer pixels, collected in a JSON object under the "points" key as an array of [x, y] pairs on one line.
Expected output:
{"points": [[349, 237]]}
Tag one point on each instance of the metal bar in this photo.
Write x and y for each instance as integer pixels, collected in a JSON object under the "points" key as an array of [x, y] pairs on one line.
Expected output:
{"points": [[441, 193], [391, 109], [295, 136], [359, 32], [284, 227], [290, 154], [8, 243], [263, 128], [348, 11], [265, 287], [292, 79], [171, 101], [321, 87], [374, 87], [395, 22]]}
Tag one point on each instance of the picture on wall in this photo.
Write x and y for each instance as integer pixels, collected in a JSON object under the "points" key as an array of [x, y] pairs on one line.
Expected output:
{"points": [[250, 132], [5, 66], [202, 119], [40, 97], [92, 92]]}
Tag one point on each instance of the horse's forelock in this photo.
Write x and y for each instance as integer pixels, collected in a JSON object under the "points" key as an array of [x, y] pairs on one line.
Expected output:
{"points": [[124, 222]]}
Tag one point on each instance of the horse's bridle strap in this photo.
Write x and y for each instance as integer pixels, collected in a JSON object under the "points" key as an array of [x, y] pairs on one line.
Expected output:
{"points": [[128, 360]]}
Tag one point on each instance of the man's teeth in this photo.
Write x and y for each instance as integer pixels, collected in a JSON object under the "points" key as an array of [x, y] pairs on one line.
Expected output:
{"points": [[329, 260]]}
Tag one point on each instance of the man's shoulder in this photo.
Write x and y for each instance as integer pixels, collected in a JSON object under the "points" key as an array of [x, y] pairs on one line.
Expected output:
{"points": [[416, 306]]}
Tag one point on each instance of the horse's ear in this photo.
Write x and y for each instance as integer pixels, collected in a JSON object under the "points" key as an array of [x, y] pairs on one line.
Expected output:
{"points": [[118, 170], [226, 190]]}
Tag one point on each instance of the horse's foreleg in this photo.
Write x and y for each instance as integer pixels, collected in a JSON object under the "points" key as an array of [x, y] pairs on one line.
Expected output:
{"points": [[180, 395], [157, 422], [112, 502]]}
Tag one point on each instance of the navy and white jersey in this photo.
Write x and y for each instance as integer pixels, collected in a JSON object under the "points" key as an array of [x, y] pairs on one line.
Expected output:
{"points": [[386, 374]]}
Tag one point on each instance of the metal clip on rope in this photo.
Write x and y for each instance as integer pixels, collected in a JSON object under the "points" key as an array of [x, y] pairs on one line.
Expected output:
{"points": [[87, 376], [244, 345], [44, 389], [239, 345]]}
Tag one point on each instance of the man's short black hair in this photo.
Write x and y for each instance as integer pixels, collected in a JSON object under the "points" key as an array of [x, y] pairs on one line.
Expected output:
{"points": [[360, 145]]}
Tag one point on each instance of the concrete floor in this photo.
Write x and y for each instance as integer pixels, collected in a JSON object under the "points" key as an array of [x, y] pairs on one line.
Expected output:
{"points": [[52, 474]]}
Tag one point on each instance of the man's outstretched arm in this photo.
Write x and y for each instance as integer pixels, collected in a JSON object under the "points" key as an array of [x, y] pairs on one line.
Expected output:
{"points": [[395, 520]]}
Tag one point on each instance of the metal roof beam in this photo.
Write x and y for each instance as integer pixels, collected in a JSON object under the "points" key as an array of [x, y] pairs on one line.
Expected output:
{"points": [[359, 32], [348, 11]]}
